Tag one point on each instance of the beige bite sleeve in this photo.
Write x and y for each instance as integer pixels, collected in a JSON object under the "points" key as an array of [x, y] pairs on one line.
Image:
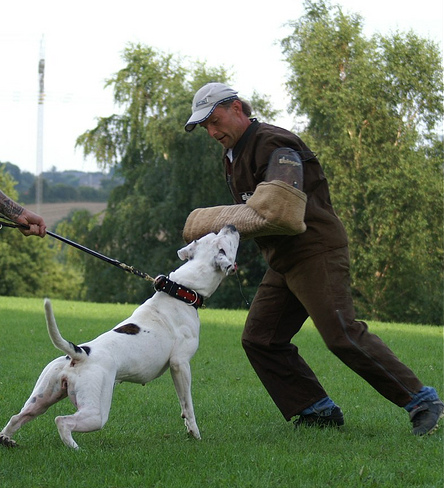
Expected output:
{"points": [[275, 208]]}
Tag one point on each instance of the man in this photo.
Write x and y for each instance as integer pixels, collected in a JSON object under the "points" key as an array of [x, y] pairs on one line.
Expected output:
{"points": [[21, 215], [282, 201]]}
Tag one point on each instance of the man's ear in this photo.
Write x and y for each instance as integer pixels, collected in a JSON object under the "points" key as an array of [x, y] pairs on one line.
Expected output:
{"points": [[237, 106]]}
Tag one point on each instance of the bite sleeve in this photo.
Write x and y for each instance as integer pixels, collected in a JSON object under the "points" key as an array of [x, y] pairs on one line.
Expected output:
{"points": [[275, 208]]}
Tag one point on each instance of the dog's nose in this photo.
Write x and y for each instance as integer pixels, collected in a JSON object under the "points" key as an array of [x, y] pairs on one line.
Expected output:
{"points": [[231, 228], [231, 269]]}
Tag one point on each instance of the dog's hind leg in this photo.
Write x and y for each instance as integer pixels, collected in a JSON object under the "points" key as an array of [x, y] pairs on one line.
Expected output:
{"points": [[49, 389], [92, 396], [181, 374]]}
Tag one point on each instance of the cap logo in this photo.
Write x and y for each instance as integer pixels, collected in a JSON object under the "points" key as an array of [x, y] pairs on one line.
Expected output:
{"points": [[202, 102]]}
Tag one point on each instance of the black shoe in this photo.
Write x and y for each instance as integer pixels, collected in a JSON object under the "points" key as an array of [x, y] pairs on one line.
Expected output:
{"points": [[425, 417], [335, 419]]}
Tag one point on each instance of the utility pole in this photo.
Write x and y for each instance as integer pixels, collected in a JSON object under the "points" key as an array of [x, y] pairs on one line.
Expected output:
{"points": [[39, 181]]}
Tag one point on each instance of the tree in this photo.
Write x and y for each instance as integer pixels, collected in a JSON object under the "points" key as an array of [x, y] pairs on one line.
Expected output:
{"points": [[23, 179], [167, 173], [372, 107], [28, 265]]}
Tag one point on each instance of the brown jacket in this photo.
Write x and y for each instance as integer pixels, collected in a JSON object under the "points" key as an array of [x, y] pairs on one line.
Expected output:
{"points": [[250, 160]]}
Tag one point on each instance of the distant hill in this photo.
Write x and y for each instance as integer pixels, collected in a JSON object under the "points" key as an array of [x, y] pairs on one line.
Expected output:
{"points": [[63, 186]]}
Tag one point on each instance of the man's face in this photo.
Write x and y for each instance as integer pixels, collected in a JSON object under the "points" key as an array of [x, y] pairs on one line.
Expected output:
{"points": [[226, 124]]}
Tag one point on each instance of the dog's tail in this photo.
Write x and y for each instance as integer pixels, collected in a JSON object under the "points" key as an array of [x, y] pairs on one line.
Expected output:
{"points": [[73, 351]]}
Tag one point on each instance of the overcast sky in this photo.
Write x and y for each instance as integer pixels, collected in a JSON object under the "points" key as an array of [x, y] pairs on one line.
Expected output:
{"points": [[83, 42]]}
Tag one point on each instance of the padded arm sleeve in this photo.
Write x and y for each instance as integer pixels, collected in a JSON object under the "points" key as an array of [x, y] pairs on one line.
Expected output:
{"points": [[275, 208]]}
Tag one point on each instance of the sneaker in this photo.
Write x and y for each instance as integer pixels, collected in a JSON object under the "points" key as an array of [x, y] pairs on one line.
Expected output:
{"points": [[335, 419], [425, 417]]}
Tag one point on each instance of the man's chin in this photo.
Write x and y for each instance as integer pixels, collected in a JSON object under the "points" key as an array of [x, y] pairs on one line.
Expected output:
{"points": [[225, 142]]}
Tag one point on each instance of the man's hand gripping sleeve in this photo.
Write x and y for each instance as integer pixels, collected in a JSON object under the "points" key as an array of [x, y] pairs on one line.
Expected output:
{"points": [[275, 208]]}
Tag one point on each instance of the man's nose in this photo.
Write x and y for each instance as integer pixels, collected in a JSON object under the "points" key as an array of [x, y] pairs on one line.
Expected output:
{"points": [[211, 131]]}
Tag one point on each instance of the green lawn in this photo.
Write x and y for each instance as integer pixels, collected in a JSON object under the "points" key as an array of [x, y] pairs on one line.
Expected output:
{"points": [[245, 441]]}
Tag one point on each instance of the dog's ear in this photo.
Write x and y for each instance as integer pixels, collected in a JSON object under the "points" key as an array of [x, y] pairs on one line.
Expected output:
{"points": [[187, 252]]}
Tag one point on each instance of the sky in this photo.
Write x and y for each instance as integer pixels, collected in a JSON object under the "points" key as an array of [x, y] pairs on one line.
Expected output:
{"points": [[82, 43]]}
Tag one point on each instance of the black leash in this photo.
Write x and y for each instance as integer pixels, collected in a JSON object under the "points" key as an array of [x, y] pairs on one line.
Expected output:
{"points": [[96, 254], [161, 283]]}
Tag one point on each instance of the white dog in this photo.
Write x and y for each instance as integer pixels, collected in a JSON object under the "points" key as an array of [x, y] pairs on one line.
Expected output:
{"points": [[163, 332]]}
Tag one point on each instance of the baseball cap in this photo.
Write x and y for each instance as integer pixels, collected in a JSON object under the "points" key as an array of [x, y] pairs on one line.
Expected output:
{"points": [[206, 100]]}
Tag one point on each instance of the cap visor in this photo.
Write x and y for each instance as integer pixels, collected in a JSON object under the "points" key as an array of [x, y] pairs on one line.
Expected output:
{"points": [[197, 118]]}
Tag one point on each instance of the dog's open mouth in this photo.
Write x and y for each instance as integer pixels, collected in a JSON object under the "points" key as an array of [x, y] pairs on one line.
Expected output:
{"points": [[231, 269]]}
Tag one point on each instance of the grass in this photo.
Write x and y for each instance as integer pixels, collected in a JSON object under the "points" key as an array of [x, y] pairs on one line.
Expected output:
{"points": [[245, 441]]}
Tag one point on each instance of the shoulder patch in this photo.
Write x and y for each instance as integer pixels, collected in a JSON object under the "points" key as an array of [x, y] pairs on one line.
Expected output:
{"points": [[285, 165]]}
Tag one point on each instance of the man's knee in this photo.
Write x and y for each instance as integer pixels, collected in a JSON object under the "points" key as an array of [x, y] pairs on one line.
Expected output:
{"points": [[254, 337], [246, 341], [347, 340]]}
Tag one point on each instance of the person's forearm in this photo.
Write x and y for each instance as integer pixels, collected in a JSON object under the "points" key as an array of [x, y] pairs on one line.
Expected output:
{"points": [[9, 208]]}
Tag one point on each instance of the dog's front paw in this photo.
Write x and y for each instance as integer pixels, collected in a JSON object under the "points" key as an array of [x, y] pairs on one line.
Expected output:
{"points": [[193, 435], [193, 431], [7, 441]]}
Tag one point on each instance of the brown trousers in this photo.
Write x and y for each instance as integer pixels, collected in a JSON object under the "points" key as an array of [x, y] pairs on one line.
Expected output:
{"points": [[318, 287]]}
